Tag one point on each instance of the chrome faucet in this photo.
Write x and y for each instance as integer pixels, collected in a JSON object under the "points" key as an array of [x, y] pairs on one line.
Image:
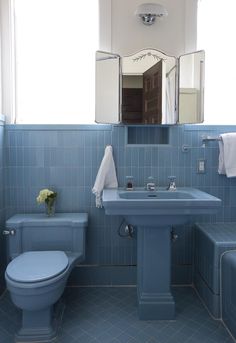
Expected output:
{"points": [[150, 186], [172, 186]]}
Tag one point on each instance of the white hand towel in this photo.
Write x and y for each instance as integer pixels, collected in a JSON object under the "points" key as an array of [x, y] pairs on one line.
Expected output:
{"points": [[221, 168], [227, 155], [106, 177]]}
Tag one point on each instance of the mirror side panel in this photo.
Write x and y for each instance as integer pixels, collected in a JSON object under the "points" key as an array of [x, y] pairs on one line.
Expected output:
{"points": [[191, 88], [107, 88]]}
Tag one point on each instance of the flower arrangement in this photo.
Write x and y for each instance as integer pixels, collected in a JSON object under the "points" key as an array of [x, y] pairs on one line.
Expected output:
{"points": [[48, 197]]}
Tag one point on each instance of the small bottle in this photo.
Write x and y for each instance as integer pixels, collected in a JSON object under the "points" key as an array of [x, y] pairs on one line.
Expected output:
{"points": [[129, 183]]}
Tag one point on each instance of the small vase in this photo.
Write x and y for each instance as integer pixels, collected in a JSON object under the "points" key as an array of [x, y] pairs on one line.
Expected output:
{"points": [[50, 207]]}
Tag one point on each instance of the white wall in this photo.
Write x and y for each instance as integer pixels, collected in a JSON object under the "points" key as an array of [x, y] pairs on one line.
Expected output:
{"points": [[7, 66], [104, 25], [175, 34]]}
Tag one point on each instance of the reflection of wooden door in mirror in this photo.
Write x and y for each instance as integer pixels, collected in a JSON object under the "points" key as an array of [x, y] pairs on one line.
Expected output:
{"points": [[152, 95], [132, 104]]}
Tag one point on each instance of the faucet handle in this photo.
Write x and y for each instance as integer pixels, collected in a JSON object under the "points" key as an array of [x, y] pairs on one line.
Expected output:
{"points": [[151, 186]]}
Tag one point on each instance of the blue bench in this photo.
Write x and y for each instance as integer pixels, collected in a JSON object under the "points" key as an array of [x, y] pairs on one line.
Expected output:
{"points": [[229, 291], [211, 242]]}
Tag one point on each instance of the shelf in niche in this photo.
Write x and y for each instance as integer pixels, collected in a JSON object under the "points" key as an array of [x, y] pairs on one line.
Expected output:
{"points": [[147, 135]]}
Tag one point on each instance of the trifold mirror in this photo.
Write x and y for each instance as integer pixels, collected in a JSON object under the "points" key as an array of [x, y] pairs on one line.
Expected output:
{"points": [[149, 87]]}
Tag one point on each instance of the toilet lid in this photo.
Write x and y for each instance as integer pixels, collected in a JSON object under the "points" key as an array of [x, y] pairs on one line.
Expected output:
{"points": [[35, 266]]}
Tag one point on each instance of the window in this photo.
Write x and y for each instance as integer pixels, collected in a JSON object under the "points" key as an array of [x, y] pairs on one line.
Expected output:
{"points": [[216, 35], [55, 43]]}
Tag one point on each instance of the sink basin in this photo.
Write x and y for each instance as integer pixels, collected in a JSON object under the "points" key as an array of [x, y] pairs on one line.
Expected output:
{"points": [[154, 213], [176, 204], [165, 195], [161, 194]]}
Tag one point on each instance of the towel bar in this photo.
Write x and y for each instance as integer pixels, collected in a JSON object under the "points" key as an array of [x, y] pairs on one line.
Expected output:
{"points": [[211, 138]]}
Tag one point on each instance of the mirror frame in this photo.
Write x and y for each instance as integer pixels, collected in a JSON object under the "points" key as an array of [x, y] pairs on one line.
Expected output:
{"points": [[177, 86]]}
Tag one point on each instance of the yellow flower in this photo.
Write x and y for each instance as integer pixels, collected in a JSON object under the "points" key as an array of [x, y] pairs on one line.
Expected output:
{"points": [[43, 195]]}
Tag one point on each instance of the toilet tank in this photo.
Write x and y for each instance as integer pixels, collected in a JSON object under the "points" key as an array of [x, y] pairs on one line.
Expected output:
{"points": [[37, 232]]}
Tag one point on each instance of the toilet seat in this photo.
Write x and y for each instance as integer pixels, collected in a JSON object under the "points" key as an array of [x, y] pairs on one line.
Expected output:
{"points": [[36, 266]]}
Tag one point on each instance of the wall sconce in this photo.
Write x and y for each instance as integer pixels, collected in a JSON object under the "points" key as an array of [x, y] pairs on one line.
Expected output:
{"points": [[149, 11]]}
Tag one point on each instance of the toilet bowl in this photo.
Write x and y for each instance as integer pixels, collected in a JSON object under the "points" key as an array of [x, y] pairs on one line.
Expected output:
{"points": [[36, 278]]}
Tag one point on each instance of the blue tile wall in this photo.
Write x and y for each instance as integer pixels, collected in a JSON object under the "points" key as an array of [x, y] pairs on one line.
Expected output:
{"points": [[2, 207], [67, 158]]}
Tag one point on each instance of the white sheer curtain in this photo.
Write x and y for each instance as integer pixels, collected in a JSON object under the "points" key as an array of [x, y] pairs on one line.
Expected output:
{"points": [[55, 43], [217, 35]]}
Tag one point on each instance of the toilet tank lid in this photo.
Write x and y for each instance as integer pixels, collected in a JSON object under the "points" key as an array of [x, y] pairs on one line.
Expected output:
{"points": [[35, 266], [40, 219]]}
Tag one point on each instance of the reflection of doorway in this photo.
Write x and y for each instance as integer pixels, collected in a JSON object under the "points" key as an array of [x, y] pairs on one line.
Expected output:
{"points": [[152, 95], [132, 98], [142, 96]]}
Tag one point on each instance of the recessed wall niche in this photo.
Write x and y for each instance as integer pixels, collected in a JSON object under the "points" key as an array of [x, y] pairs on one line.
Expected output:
{"points": [[148, 135]]}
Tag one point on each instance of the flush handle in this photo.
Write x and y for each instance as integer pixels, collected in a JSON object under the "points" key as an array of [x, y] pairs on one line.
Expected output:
{"points": [[10, 232]]}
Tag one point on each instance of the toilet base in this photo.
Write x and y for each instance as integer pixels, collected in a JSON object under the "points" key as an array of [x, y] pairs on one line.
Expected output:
{"points": [[40, 326]]}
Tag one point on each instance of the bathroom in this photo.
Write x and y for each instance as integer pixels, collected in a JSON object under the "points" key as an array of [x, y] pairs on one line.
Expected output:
{"points": [[101, 296]]}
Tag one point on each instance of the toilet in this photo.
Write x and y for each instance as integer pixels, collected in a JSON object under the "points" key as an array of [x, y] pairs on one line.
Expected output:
{"points": [[42, 252]]}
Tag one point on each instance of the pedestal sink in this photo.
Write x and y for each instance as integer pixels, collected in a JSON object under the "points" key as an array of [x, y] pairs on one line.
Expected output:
{"points": [[154, 213]]}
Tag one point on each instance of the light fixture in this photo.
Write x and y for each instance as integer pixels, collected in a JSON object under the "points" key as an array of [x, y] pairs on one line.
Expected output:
{"points": [[149, 11]]}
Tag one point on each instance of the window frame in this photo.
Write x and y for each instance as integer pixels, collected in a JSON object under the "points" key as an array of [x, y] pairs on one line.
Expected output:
{"points": [[7, 60]]}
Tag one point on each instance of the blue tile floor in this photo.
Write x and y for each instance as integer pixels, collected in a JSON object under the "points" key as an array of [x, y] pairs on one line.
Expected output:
{"points": [[109, 315]]}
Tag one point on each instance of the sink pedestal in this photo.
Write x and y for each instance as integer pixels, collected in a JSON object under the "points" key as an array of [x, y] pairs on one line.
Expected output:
{"points": [[155, 300], [153, 214]]}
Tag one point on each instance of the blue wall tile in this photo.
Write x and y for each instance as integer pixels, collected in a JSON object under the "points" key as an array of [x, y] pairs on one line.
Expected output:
{"points": [[67, 158]]}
